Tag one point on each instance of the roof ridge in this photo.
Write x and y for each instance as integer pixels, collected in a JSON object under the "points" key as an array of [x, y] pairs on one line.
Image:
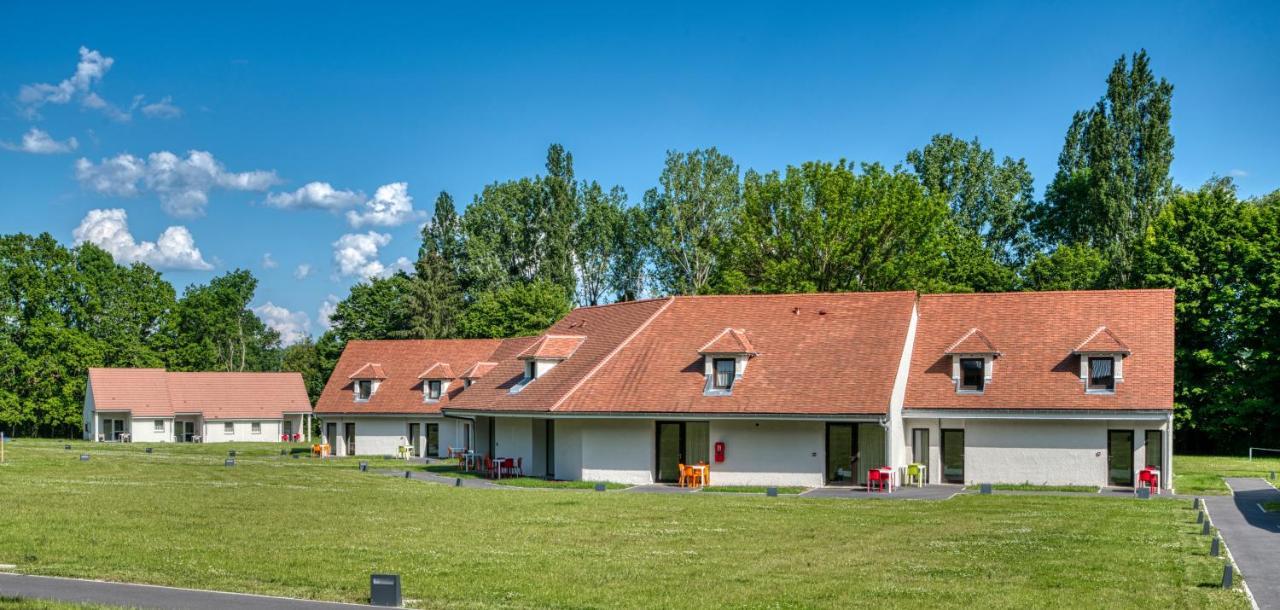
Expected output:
{"points": [[1035, 292], [599, 365], [617, 303], [844, 293]]}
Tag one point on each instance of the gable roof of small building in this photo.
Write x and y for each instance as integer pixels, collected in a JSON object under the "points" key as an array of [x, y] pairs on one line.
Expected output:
{"points": [[401, 362], [1039, 334], [817, 354], [214, 395]]}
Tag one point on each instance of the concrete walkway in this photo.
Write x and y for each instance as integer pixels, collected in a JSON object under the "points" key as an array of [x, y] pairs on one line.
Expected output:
{"points": [[1252, 535], [148, 596]]}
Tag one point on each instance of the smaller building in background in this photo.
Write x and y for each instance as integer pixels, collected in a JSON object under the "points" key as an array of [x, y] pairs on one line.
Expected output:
{"points": [[158, 406]]}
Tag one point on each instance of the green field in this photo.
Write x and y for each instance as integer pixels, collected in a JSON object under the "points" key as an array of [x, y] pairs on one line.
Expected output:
{"points": [[1202, 474], [316, 529]]}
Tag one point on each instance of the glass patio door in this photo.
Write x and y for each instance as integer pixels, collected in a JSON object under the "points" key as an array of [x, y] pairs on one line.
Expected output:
{"points": [[350, 437], [415, 439], [670, 448], [953, 456], [1120, 457], [433, 440], [842, 444]]}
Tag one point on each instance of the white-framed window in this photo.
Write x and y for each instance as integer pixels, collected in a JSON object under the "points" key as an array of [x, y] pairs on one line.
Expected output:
{"points": [[255, 427], [364, 389], [1102, 374], [433, 389], [228, 427], [973, 374], [159, 426]]}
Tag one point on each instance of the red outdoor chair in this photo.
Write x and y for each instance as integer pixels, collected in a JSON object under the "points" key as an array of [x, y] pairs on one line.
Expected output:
{"points": [[875, 478], [490, 468]]}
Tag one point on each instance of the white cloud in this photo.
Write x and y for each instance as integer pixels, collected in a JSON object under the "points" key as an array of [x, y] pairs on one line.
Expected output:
{"points": [[109, 230], [39, 142], [356, 255], [327, 309], [182, 185], [163, 109], [391, 206], [302, 272], [315, 195], [89, 71], [1238, 173], [293, 326], [268, 262]]}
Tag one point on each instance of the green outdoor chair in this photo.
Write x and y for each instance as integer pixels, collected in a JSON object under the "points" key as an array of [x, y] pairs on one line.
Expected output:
{"points": [[915, 472]]}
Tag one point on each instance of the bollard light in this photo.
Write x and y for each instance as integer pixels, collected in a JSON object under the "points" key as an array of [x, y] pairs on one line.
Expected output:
{"points": [[1205, 530], [457, 482], [599, 486], [69, 447], [1144, 493], [149, 449], [772, 492], [384, 590], [1273, 475], [1226, 576], [231, 453], [1213, 548], [364, 466], [295, 456], [406, 474], [84, 457], [984, 489], [1200, 517], [1195, 503], [229, 462]]}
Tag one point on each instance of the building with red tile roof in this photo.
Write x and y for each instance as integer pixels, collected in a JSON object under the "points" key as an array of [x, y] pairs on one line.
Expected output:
{"points": [[813, 389], [155, 405]]}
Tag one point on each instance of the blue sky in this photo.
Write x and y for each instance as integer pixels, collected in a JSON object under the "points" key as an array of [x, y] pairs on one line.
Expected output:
{"points": [[453, 97]]}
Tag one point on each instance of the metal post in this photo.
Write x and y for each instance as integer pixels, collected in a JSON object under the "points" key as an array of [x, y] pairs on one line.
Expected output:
{"points": [[1226, 576], [1205, 530], [1213, 548], [1200, 517]]}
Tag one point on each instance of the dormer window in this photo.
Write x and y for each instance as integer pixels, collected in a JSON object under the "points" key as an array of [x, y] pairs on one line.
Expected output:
{"points": [[530, 370], [1102, 377], [435, 381], [364, 389], [724, 373], [1102, 357], [972, 374], [545, 354], [725, 359], [365, 381], [433, 389], [972, 361]]}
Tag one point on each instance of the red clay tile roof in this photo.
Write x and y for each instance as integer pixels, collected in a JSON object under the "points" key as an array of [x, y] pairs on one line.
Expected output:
{"points": [[1037, 333], [478, 370], [401, 362], [439, 370], [818, 354], [1102, 341], [552, 347], [370, 370], [729, 341], [605, 328], [973, 342], [157, 393]]}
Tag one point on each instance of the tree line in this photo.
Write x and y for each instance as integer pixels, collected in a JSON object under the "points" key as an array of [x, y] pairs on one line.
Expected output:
{"points": [[952, 216]]}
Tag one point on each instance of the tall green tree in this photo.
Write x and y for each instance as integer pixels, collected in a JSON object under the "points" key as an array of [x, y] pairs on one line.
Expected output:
{"points": [[1067, 267], [822, 227], [627, 276], [434, 298], [374, 309], [691, 215], [596, 242], [1222, 256], [304, 357], [216, 330], [992, 200], [1113, 172], [515, 310]]}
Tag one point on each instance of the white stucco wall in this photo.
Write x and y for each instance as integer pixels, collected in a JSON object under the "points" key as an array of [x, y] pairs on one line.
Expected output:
{"points": [[1038, 451], [88, 426], [242, 431], [769, 453], [568, 449], [617, 450], [514, 439], [144, 430]]}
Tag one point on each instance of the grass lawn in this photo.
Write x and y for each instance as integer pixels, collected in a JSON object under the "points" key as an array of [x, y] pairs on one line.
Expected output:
{"points": [[752, 489], [1031, 487], [1202, 474], [317, 529], [16, 603]]}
